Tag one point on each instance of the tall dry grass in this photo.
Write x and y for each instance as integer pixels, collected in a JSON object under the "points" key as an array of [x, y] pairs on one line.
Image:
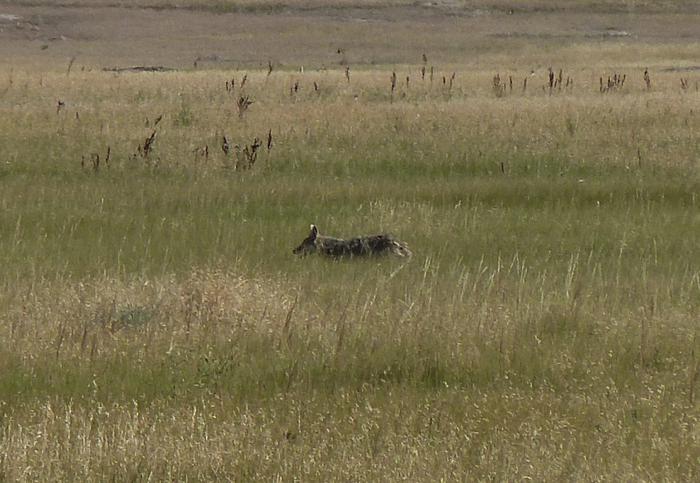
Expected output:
{"points": [[155, 324]]}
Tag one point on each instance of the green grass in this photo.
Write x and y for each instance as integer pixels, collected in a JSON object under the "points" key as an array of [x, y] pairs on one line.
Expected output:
{"points": [[156, 324]]}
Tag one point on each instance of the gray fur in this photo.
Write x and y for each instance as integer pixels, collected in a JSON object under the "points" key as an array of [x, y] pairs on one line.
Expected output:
{"points": [[363, 246]]}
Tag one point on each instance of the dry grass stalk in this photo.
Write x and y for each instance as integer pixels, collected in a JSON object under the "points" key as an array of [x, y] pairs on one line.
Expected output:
{"points": [[288, 327], [647, 79], [243, 104], [156, 122], [148, 144], [70, 65], [202, 152], [246, 156], [95, 160], [499, 87], [614, 83], [643, 343], [693, 373], [343, 59], [145, 149]]}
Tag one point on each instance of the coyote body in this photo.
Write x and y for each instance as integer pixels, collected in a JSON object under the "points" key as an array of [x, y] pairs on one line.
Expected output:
{"points": [[363, 246]]}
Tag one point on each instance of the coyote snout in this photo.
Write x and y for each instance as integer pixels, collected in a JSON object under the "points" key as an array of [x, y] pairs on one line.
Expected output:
{"points": [[355, 247]]}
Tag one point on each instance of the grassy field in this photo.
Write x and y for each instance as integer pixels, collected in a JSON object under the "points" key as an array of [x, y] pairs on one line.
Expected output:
{"points": [[155, 325]]}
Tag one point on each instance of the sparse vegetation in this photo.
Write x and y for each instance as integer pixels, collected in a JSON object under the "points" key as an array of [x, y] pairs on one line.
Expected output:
{"points": [[155, 323]]}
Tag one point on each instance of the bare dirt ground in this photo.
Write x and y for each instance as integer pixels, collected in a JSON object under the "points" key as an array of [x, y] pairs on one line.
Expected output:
{"points": [[101, 37]]}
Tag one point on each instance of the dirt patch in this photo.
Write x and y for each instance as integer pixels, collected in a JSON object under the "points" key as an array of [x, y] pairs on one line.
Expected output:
{"points": [[139, 68], [605, 35], [691, 68], [185, 38], [9, 18]]}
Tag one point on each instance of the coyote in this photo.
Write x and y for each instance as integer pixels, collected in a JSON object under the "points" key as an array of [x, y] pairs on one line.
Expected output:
{"points": [[355, 247]]}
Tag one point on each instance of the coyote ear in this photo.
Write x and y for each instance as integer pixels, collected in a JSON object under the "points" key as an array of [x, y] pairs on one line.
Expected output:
{"points": [[314, 232]]}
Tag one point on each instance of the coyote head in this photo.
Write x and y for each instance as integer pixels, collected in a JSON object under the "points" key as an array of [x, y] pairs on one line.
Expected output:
{"points": [[309, 244]]}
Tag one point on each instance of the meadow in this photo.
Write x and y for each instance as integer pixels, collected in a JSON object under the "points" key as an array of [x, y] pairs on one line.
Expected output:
{"points": [[156, 326]]}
